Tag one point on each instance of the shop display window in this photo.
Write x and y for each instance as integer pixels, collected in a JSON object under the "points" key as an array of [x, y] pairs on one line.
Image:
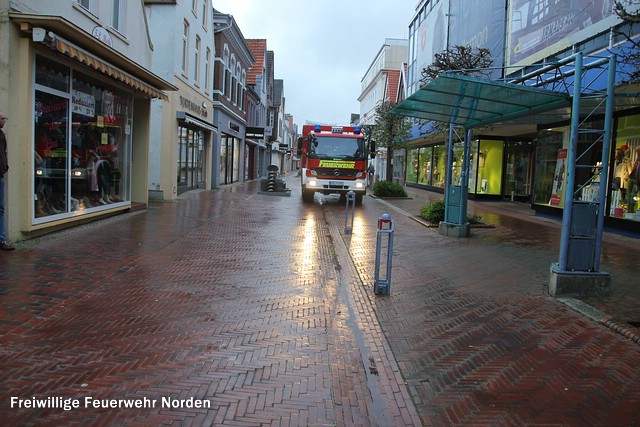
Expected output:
{"points": [[426, 165], [457, 163], [51, 147], [490, 157], [412, 165], [519, 169], [548, 186], [625, 185], [82, 142], [439, 166], [190, 158]]}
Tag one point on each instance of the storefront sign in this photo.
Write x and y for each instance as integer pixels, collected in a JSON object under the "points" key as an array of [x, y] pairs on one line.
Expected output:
{"points": [[193, 106], [83, 103], [103, 35]]}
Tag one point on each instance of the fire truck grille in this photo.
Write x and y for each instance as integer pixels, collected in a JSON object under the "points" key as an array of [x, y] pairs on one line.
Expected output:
{"points": [[341, 173]]}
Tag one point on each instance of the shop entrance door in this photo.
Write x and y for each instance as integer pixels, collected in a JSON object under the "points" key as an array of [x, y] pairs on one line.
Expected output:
{"points": [[518, 174]]}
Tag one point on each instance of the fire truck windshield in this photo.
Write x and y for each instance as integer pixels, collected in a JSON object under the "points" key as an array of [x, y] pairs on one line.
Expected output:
{"points": [[328, 147]]}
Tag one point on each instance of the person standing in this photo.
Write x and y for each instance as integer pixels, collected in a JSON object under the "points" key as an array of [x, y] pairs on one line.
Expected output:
{"points": [[4, 167]]}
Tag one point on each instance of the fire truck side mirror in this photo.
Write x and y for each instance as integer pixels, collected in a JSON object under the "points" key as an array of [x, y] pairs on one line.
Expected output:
{"points": [[299, 144]]}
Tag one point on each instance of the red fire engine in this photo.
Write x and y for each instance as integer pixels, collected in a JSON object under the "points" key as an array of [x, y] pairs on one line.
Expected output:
{"points": [[333, 161]]}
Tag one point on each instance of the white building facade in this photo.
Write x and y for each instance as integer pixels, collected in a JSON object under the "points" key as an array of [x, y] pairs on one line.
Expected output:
{"points": [[391, 57], [182, 129], [75, 80]]}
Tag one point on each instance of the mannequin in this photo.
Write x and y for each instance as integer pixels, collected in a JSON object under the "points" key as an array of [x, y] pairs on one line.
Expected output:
{"points": [[621, 170]]}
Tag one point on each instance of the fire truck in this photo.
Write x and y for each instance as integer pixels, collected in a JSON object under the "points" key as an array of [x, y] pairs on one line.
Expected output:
{"points": [[333, 161]]}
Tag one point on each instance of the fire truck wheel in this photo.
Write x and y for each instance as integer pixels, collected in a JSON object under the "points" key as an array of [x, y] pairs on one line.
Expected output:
{"points": [[307, 196], [359, 198]]}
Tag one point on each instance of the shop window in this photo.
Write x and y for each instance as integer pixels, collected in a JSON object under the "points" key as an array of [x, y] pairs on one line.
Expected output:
{"points": [[518, 169], [190, 158], [81, 144], [51, 148], [550, 169], [439, 167], [426, 166], [52, 74], [625, 185], [490, 157], [412, 165], [457, 163]]}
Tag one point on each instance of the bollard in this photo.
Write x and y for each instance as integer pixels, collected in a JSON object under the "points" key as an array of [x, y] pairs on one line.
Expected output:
{"points": [[272, 172], [385, 227], [351, 204]]}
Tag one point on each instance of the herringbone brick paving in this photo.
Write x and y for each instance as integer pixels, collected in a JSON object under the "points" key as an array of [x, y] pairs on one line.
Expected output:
{"points": [[193, 300], [264, 307]]}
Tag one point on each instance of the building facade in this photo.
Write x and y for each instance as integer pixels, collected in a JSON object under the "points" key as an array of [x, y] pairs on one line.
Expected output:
{"points": [[233, 60], [527, 161], [182, 129], [388, 63], [257, 110], [76, 83]]}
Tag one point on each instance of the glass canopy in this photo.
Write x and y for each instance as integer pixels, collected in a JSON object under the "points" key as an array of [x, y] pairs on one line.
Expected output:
{"points": [[472, 102]]}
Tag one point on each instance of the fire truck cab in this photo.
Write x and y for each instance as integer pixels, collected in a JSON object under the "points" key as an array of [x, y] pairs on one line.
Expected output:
{"points": [[333, 161]]}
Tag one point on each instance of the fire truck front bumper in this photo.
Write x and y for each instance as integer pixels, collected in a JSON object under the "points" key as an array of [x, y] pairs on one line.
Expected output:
{"points": [[337, 186]]}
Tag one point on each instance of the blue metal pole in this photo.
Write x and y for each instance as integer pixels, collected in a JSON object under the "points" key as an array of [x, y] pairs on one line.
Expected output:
{"points": [[606, 149], [464, 177], [571, 165], [447, 178]]}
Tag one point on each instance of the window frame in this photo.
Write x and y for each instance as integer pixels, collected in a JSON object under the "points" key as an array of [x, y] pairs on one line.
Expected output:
{"points": [[185, 48], [196, 57]]}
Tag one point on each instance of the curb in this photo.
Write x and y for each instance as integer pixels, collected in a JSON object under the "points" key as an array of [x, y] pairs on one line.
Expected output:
{"points": [[602, 318], [623, 329]]}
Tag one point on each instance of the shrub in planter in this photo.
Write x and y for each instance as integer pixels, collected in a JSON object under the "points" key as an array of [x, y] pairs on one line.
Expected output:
{"points": [[433, 213], [388, 189]]}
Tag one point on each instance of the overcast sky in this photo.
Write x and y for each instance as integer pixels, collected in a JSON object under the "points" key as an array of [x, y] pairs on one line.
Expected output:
{"points": [[322, 48]]}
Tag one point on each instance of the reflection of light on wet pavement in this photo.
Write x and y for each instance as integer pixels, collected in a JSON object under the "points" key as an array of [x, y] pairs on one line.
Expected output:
{"points": [[309, 244]]}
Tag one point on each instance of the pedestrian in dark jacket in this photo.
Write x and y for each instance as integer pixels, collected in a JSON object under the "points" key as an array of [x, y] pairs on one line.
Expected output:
{"points": [[4, 167]]}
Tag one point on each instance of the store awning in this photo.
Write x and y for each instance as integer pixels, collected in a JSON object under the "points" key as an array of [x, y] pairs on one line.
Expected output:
{"points": [[76, 43], [86, 58], [187, 118], [472, 102]]}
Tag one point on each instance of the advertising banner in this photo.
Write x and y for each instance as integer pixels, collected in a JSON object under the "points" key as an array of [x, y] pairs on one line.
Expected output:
{"points": [[431, 37], [479, 24], [538, 29]]}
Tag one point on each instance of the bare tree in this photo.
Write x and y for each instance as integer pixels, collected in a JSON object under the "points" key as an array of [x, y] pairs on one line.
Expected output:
{"points": [[630, 54], [390, 131], [462, 59]]}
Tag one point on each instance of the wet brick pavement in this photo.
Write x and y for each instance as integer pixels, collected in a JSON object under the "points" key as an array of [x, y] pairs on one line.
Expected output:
{"points": [[263, 307]]}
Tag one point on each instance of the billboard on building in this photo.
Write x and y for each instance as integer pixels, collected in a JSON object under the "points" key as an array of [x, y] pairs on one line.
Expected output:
{"points": [[431, 37], [479, 24], [540, 28]]}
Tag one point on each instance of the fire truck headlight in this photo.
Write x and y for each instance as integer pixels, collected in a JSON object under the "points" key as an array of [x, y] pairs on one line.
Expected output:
{"points": [[312, 183], [359, 185]]}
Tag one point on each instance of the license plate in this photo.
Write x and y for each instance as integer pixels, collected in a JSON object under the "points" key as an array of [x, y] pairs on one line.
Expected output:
{"points": [[335, 184]]}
